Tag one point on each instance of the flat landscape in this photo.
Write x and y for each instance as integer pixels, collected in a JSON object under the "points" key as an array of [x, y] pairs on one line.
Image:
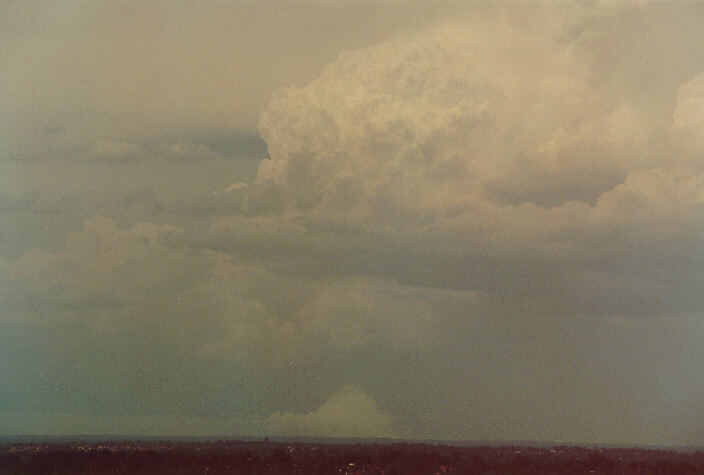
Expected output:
{"points": [[256, 457]]}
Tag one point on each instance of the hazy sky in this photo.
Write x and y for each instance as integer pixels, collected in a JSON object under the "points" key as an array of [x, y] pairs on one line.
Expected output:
{"points": [[406, 219]]}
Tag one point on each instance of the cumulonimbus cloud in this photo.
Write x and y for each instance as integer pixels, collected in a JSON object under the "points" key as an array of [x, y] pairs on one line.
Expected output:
{"points": [[498, 153]]}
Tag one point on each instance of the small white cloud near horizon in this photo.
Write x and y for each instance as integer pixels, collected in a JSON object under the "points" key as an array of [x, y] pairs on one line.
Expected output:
{"points": [[349, 413]]}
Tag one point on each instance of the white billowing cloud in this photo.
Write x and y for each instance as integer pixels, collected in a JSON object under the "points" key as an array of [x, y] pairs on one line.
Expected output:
{"points": [[486, 141], [446, 129], [421, 128], [349, 413]]}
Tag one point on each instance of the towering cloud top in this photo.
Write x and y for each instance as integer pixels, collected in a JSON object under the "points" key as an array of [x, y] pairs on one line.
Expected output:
{"points": [[425, 127]]}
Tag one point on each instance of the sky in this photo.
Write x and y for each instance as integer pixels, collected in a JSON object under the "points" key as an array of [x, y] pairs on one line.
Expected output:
{"points": [[462, 221]]}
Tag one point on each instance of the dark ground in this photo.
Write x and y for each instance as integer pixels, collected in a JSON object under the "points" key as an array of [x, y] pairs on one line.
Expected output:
{"points": [[252, 457]]}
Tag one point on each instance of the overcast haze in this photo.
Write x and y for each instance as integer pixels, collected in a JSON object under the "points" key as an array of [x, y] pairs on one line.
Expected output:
{"points": [[475, 221]]}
